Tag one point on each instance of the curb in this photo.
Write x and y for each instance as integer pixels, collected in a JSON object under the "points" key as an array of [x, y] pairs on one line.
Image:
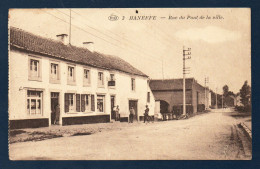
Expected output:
{"points": [[247, 130]]}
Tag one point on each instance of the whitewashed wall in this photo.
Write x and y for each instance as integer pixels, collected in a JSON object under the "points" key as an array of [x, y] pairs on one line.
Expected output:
{"points": [[18, 84]]}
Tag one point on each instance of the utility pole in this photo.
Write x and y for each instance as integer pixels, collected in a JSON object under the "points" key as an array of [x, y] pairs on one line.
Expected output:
{"points": [[216, 99], [206, 100], [186, 55]]}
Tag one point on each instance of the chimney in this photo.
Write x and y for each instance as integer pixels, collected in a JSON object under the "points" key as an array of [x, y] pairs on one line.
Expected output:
{"points": [[89, 46], [63, 38]]}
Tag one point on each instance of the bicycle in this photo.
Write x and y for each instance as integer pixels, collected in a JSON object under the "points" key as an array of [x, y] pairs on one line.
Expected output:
{"points": [[149, 118]]}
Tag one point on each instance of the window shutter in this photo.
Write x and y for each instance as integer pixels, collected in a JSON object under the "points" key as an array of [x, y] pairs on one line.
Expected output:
{"points": [[83, 102], [92, 102], [66, 102], [78, 102]]}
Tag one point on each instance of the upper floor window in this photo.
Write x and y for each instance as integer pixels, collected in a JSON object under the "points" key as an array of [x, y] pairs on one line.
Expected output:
{"points": [[112, 77], [54, 74], [132, 84], [100, 79], [86, 77], [71, 75], [111, 81], [34, 69]]}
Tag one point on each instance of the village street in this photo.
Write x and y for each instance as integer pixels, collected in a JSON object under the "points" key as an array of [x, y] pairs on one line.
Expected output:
{"points": [[213, 135]]}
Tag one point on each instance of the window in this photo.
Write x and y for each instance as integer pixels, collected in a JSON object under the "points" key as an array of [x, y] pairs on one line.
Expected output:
{"points": [[54, 74], [100, 79], [34, 102], [34, 69], [79, 102], [86, 102], [148, 97], [86, 77], [132, 84], [112, 77], [111, 81], [100, 103], [71, 102], [71, 75]]}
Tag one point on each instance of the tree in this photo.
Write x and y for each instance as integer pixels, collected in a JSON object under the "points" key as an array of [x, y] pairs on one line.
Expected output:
{"points": [[245, 94], [228, 97], [225, 90]]}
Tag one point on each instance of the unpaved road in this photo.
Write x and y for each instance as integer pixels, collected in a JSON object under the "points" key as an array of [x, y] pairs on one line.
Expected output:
{"points": [[203, 137]]}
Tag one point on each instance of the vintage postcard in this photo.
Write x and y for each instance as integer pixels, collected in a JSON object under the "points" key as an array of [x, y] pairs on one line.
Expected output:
{"points": [[130, 84]]}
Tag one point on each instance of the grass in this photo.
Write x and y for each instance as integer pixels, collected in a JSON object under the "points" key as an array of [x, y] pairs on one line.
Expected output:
{"points": [[13, 133]]}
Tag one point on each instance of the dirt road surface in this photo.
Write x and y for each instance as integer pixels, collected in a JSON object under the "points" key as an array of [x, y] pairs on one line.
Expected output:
{"points": [[211, 136]]}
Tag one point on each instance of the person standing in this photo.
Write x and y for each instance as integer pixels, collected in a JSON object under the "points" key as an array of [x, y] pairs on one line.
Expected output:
{"points": [[146, 113], [132, 113], [114, 113], [117, 113], [57, 114]]}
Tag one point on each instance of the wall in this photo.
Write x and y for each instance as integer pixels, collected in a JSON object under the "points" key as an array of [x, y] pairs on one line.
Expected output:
{"points": [[200, 90], [19, 83], [173, 97]]}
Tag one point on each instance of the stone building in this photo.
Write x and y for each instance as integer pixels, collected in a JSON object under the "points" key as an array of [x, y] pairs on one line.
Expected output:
{"points": [[168, 94]]}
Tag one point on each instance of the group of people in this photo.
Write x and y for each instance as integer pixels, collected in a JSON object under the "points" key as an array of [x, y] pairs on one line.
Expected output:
{"points": [[116, 113], [115, 109], [132, 114]]}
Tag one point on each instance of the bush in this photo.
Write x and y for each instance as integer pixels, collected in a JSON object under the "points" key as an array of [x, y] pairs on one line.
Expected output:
{"points": [[201, 107], [243, 108], [178, 109]]}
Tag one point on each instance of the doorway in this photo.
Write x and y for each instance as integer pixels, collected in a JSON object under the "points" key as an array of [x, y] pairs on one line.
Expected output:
{"points": [[133, 103], [113, 114], [54, 103]]}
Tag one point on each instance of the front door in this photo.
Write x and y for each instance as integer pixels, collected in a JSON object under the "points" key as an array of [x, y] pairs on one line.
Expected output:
{"points": [[54, 103], [133, 103], [112, 98]]}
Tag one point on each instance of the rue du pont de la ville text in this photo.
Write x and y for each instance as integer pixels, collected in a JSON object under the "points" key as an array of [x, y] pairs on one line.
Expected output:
{"points": [[174, 17]]}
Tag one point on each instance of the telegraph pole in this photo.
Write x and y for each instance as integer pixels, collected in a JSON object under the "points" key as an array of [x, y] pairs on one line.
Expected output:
{"points": [[206, 100], [186, 55]]}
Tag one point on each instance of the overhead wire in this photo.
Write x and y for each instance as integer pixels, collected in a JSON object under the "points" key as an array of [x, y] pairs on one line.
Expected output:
{"points": [[154, 59]]}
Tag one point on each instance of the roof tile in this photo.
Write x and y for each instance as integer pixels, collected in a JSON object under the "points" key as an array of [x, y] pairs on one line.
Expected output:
{"points": [[30, 42]]}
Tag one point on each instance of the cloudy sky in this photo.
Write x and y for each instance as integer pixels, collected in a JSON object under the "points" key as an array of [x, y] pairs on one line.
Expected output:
{"points": [[220, 47]]}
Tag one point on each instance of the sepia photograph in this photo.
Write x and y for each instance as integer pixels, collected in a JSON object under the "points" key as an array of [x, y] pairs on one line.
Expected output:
{"points": [[129, 84]]}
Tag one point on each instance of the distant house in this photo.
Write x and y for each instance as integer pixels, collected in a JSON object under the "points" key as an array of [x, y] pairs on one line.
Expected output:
{"points": [[168, 94], [86, 84]]}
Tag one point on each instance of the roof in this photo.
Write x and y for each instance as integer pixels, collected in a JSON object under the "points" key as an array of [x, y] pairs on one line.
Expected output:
{"points": [[34, 43], [170, 84]]}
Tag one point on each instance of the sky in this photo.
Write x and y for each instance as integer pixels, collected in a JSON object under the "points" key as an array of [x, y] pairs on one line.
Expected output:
{"points": [[219, 38]]}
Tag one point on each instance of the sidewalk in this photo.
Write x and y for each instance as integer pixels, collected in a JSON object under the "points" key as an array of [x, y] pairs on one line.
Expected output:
{"points": [[54, 131], [247, 126]]}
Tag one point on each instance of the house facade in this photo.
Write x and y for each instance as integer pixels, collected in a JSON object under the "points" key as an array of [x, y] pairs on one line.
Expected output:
{"points": [[169, 95], [87, 85]]}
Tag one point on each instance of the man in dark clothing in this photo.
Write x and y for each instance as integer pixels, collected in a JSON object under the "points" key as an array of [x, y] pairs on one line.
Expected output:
{"points": [[57, 114], [146, 113], [131, 116]]}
